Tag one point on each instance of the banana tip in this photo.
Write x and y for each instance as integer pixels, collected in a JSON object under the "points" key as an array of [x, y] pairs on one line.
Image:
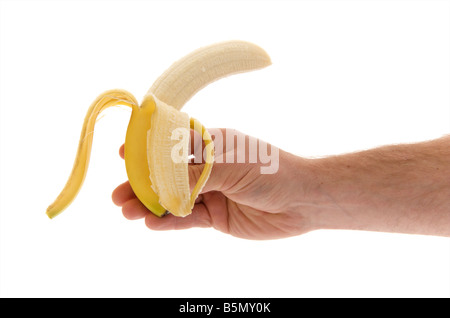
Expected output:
{"points": [[51, 213], [50, 216]]}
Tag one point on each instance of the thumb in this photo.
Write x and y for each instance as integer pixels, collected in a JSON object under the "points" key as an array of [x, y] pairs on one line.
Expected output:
{"points": [[223, 177]]}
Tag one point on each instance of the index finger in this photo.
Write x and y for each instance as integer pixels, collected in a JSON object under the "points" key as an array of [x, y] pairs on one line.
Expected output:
{"points": [[122, 151]]}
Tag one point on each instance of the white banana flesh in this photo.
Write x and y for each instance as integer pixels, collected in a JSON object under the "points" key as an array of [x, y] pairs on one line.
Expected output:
{"points": [[169, 177], [179, 83], [184, 78]]}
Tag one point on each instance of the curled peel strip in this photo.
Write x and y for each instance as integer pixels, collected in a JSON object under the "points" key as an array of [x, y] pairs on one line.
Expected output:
{"points": [[160, 183]]}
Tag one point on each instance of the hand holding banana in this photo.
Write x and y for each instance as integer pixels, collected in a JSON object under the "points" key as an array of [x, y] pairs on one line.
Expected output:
{"points": [[161, 184]]}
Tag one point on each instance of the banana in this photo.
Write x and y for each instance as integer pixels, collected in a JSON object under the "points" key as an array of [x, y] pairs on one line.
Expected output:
{"points": [[160, 182]]}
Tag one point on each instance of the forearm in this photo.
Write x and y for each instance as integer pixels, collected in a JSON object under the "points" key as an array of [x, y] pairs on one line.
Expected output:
{"points": [[399, 188]]}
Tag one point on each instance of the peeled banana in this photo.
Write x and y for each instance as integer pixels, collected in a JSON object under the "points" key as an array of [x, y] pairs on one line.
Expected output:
{"points": [[160, 182]]}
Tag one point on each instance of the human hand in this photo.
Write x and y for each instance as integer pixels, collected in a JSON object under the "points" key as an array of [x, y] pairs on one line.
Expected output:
{"points": [[397, 188], [238, 198]]}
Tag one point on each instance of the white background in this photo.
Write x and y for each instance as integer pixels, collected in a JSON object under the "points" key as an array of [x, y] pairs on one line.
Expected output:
{"points": [[346, 76]]}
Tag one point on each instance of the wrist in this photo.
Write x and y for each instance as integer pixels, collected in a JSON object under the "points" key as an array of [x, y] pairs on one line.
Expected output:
{"points": [[314, 193], [309, 185]]}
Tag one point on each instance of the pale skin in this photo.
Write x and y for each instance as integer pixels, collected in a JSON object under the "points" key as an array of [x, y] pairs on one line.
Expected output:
{"points": [[397, 188]]}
